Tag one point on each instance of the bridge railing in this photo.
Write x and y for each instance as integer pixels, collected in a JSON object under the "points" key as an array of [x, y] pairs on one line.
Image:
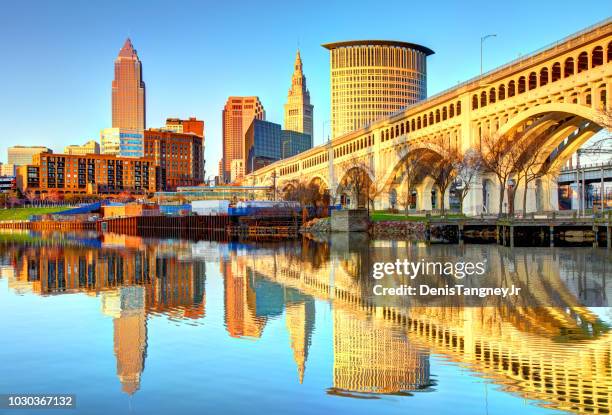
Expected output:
{"points": [[520, 60]]}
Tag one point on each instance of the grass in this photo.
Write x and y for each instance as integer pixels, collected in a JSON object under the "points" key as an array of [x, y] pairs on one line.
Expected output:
{"points": [[25, 213], [385, 216]]}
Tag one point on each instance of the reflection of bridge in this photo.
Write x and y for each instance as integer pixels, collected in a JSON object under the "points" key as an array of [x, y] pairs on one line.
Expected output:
{"points": [[544, 353], [554, 97]]}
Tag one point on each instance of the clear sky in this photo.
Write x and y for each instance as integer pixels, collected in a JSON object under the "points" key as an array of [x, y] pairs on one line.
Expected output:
{"points": [[57, 56]]}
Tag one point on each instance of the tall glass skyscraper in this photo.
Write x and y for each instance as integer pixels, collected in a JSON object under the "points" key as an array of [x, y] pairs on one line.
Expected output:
{"points": [[262, 145], [293, 143]]}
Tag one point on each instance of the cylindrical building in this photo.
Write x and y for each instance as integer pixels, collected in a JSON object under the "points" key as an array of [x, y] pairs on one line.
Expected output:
{"points": [[371, 79]]}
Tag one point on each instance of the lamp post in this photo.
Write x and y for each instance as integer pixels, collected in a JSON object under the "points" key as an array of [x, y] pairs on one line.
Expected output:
{"points": [[482, 39], [323, 130]]}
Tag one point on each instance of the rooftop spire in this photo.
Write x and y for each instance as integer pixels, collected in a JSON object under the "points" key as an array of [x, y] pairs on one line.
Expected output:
{"points": [[128, 49], [298, 61]]}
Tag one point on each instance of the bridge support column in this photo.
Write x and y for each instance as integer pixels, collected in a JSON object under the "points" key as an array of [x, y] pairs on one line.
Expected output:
{"points": [[424, 194], [532, 191], [547, 194], [473, 202]]}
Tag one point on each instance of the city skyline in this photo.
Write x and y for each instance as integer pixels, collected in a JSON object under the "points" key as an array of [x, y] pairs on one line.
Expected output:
{"points": [[88, 100]]}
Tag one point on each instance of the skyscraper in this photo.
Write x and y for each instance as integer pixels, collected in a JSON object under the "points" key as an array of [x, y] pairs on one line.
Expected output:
{"points": [[128, 91], [371, 79], [262, 145], [298, 111], [238, 114]]}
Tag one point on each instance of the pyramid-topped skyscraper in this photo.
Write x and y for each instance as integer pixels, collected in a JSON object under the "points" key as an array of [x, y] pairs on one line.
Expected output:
{"points": [[128, 90]]}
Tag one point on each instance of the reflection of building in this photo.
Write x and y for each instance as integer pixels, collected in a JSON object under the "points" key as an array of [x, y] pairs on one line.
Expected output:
{"points": [[298, 110], [240, 302], [127, 307], [371, 359], [300, 325], [128, 95], [262, 144], [371, 79], [22, 155], [133, 280], [90, 147], [238, 114]]}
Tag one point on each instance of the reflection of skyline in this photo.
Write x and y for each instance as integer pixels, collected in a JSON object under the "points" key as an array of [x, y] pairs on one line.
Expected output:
{"points": [[557, 355]]}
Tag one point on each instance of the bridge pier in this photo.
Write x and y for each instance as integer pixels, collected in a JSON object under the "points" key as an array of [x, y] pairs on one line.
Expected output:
{"points": [[547, 194]]}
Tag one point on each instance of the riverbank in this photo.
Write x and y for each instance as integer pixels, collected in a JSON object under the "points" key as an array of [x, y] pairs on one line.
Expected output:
{"points": [[23, 213]]}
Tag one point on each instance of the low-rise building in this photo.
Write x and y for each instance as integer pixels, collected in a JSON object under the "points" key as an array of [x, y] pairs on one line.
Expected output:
{"points": [[99, 174], [237, 170], [7, 169], [179, 157]]}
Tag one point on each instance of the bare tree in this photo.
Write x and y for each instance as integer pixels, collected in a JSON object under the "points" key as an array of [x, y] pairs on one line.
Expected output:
{"points": [[466, 168], [527, 161], [412, 170], [356, 179], [443, 170], [405, 199], [494, 157]]}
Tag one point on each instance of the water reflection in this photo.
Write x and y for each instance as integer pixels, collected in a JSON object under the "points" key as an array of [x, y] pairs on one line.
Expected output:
{"points": [[560, 356]]}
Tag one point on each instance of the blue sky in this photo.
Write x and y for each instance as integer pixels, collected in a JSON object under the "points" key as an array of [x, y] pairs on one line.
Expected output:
{"points": [[57, 63]]}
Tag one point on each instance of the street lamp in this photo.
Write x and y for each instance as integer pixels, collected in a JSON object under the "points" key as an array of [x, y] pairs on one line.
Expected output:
{"points": [[482, 39], [323, 131]]}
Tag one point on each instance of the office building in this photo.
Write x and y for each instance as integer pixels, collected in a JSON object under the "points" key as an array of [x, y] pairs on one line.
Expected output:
{"points": [[262, 145], [128, 91], [122, 143], [179, 157], [7, 170], [191, 125], [371, 79], [238, 114], [21, 155], [90, 147], [293, 143]]}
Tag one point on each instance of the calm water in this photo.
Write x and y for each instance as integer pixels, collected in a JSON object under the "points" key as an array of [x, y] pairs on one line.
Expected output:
{"points": [[167, 326]]}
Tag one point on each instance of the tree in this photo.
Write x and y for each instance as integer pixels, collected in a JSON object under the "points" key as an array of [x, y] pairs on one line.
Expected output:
{"points": [[412, 170], [405, 199], [494, 157], [527, 164], [466, 168], [54, 196], [356, 179], [443, 170]]}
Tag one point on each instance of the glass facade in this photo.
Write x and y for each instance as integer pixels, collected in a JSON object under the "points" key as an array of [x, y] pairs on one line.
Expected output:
{"points": [[262, 145], [293, 142], [122, 143]]}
